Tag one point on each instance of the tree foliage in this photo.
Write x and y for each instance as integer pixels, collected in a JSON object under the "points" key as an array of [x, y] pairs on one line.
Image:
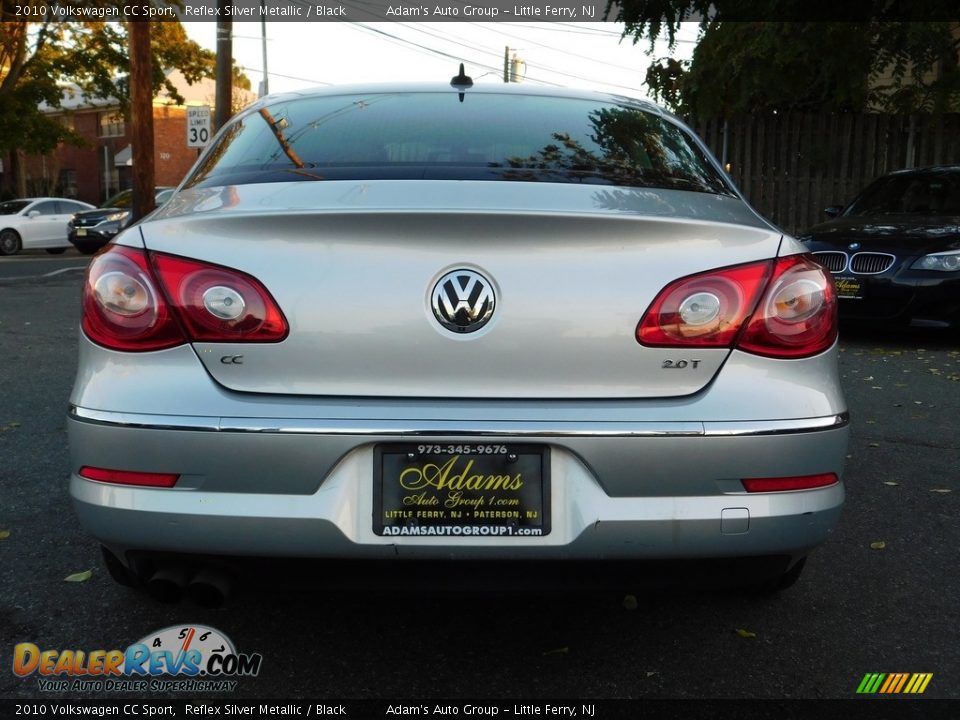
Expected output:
{"points": [[761, 55], [39, 59]]}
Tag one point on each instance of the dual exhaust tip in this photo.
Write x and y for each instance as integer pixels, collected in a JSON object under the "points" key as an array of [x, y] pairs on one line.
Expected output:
{"points": [[207, 587]]}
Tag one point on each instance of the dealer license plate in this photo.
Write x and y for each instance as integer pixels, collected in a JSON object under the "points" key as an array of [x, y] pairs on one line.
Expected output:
{"points": [[81, 232], [461, 490], [850, 288]]}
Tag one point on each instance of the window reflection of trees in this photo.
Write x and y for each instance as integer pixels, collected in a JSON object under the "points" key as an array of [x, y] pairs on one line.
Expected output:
{"points": [[631, 148]]}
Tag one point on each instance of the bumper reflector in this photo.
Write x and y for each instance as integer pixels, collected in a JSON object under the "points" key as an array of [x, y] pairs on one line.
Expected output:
{"points": [[783, 484], [129, 477]]}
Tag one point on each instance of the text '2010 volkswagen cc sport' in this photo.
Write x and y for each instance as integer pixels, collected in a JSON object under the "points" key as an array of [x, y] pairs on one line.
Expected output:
{"points": [[455, 323]]}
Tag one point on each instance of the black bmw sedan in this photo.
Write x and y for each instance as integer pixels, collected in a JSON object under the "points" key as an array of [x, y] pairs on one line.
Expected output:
{"points": [[895, 250]]}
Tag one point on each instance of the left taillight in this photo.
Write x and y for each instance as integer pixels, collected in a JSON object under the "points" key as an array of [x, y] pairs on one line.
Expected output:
{"points": [[784, 308], [138, 302], [123, 308]]}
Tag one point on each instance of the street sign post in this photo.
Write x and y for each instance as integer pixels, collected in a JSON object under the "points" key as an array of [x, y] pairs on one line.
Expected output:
{"points": [[198, 126]]}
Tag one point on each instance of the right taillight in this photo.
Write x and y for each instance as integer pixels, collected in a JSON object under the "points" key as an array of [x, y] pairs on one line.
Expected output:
{"points": [[797, 316], [784, 308], [135, 303]]}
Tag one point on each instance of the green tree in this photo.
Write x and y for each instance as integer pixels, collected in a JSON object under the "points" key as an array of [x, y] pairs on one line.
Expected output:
{"points": [[39, 59], [861, 58]]}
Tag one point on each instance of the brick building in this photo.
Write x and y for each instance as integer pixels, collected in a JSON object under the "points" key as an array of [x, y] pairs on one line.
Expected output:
{"points": [[103, 164]]}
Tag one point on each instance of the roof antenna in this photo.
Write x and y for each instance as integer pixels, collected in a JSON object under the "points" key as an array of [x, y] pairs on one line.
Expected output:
{"points": [[461, 81]]}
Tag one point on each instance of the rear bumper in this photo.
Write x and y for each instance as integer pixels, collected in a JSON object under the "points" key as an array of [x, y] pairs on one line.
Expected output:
{"points": [[303, 488]]}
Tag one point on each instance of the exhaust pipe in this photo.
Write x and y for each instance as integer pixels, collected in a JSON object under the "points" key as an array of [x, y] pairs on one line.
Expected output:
{"points": [[210, 588], [167, 583]]}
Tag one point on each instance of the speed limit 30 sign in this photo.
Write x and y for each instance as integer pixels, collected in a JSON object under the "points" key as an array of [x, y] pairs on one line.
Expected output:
{"points": [[198, 126]]}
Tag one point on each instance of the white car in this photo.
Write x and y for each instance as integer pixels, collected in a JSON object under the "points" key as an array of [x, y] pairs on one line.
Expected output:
{"points": [[37, 223]]}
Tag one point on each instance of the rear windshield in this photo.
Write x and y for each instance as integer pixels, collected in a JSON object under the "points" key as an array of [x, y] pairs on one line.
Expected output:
{"points": [[404, 136], [932, 193]]}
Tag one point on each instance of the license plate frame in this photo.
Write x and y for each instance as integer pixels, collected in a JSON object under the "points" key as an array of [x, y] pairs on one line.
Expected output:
{"points": [[81, 232], [461, 490], [849, 287]]}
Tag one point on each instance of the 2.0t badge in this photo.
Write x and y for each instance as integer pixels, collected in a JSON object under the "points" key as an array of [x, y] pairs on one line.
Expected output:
{"points": [[463, 301]]}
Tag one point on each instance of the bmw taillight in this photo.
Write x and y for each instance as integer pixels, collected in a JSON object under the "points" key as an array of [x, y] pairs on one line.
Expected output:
{"points": [[137, 302], [784, 308]]}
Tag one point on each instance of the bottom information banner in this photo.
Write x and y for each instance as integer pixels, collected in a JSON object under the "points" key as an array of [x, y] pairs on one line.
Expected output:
{"points": [[540, 709]]}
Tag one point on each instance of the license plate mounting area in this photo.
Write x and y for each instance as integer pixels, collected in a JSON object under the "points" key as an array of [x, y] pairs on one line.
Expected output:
{"points": [[461, 490]]}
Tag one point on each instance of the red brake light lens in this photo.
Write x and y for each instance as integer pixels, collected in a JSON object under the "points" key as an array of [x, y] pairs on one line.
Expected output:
{"points": [[129, 477], [122, 306], [133, 303], [705, 310], [785, 484], [785, 308], [217, 304], [798, 314]]}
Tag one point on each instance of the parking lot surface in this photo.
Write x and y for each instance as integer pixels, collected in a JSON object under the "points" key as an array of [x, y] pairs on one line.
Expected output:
{"points": [[882, 595]]}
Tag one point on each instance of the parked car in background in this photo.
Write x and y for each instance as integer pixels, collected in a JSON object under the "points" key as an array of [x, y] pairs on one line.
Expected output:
{"points": [[895, 250], [37, 223], [90, 230], [393, 324]]}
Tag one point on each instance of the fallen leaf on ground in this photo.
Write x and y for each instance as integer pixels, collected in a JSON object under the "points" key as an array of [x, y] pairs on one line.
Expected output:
{"points": [[630, 602], [891, 483], [79, 577], [879, 545], [874, 445], [941, 490], [4, 534], [745, 633]]}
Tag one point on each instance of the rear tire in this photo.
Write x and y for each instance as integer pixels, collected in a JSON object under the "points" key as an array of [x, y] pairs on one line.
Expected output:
{"points": [[10, 243]]}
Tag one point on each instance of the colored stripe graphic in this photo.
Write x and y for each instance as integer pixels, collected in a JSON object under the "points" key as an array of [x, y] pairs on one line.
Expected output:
{"points": [[870, 683], [894, 683]]}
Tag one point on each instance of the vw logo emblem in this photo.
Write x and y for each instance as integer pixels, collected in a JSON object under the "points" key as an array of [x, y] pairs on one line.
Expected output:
{"points": [[463, 301]]}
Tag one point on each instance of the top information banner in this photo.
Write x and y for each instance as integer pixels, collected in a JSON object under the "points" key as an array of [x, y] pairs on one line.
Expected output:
{"points": [[320, 11]]}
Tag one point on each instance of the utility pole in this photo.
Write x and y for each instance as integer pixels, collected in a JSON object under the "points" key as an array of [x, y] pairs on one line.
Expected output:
{"points": [[513, 68], [141, 118], [224, 91], [265, 83]]}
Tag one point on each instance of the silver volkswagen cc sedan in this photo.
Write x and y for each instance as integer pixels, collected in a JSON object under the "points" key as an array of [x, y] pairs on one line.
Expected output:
{"points": [[455, 323]]}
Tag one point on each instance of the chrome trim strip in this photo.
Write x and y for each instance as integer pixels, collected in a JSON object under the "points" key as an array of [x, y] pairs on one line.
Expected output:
{"points": [[451, 428], [776, 427]]}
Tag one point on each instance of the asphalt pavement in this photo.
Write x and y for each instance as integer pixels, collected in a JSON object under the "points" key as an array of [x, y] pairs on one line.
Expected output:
{"points": [[31, 265], [882, 595]]}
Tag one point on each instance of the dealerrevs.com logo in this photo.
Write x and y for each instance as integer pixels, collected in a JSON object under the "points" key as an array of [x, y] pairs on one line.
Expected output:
{"points": [[180, 658]]}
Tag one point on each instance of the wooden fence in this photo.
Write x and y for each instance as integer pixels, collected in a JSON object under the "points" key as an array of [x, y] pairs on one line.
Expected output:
{"points": [[791, 166]]}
